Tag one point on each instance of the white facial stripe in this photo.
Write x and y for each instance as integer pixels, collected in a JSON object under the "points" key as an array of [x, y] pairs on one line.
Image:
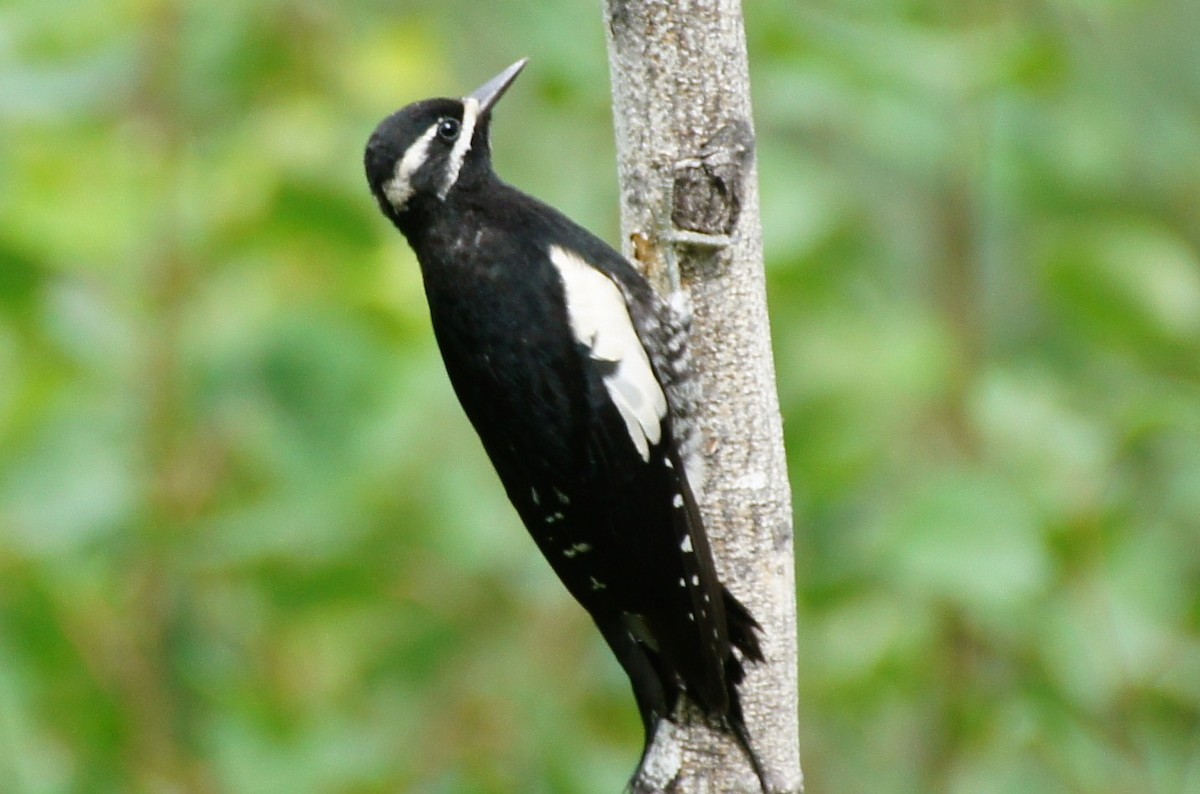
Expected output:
{"points": [[600, 320], [461, 146], [399, 188]]}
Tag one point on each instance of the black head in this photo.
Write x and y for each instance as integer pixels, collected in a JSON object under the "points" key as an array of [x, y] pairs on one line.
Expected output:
{"points": [[425, 151]]}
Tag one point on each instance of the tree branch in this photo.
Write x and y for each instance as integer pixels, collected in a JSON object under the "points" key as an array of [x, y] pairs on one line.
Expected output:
{"points": [[689, 214]]}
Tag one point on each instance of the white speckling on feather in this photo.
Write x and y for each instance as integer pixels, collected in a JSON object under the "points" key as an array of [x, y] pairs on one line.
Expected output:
{"points": [[461, 146], [597, 584], [682, 582], [677, 501], [562, 497], [600, 321], [695, 580], [537, 500], [667, 462], [399, 188], [575, 549], [687, 544]]}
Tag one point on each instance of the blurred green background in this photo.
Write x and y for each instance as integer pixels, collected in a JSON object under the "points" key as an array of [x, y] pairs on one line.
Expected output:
{"points": [[249, 544]]}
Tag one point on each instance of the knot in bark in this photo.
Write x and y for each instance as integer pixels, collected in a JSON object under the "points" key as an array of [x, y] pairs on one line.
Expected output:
{"points": [[708, 189]]}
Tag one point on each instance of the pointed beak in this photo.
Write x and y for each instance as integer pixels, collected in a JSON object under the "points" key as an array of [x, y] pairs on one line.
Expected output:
{"points": [[491, 91]]}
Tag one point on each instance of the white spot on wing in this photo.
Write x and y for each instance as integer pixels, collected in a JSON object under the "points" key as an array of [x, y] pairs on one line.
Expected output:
{"points": [[687, 544], [677, 501], [576, 548], [600, 320], [399, 188]]}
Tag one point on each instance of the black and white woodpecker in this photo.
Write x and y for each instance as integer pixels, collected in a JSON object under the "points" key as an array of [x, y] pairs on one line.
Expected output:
{"points": [[575, 375]]}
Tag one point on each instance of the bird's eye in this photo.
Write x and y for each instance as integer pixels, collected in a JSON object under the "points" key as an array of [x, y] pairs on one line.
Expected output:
{"points": [[448, 129]]}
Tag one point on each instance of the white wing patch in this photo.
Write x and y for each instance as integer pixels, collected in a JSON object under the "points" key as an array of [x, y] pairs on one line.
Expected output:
{"points": [[399, 188], [600, 321]]}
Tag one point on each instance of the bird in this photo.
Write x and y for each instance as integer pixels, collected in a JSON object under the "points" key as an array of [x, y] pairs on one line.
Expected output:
{"points": [[576, 376]]}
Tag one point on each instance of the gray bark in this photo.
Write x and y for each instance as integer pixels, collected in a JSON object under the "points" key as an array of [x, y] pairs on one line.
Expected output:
{"points": [[689, 214]]}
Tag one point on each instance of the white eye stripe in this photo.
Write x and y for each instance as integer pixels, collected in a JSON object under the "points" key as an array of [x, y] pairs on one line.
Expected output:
{"points": [[399, 188], [461, 146], [600, 320]]}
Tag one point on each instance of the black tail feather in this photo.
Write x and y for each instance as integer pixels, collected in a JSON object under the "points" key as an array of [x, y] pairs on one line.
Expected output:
{"points": [[743, 635], [737, 727], [656, 686], [743, 629]]}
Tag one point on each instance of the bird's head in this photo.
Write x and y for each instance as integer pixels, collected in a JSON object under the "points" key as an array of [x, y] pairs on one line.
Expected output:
{"points": [[429, 149]]}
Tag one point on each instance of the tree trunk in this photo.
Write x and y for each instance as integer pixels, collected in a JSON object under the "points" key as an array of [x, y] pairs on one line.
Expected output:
{"points": [[689, 216]]}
